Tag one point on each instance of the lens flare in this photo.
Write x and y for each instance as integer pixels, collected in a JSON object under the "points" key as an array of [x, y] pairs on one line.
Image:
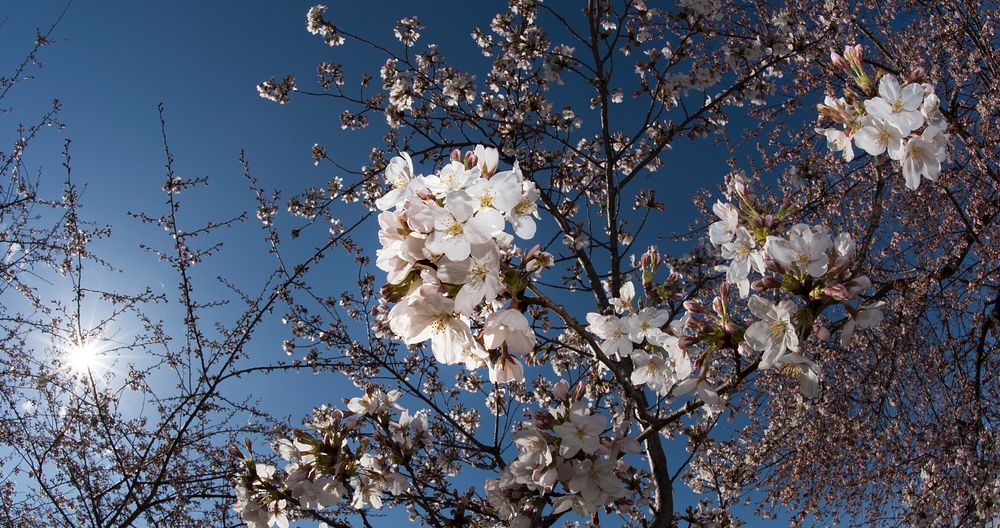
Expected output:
{"points": [[83, 357]]}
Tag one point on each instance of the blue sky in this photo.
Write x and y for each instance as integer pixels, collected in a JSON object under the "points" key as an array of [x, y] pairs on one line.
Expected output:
{"points": [[113, 62]]}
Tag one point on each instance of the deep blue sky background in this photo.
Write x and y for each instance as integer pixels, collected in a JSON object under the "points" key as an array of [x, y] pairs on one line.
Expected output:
{"points": [[113, 62]]}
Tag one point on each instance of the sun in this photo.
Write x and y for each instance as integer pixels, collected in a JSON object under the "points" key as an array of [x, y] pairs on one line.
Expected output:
{"points": [[83, 356]]}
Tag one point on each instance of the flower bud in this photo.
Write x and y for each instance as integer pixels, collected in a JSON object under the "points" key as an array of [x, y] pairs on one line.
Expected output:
{"points": [[838, 61], [456, 155], [837, 291], [916, 75], [723, 292], [770, 282], [560, 390], [684, 342], [729, 326], [470, 160], [694, 306], [855, 55], [425, 194], [717, 305]]}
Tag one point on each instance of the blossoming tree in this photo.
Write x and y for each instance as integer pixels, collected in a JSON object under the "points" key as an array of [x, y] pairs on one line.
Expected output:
{"points": [[537, 355]]}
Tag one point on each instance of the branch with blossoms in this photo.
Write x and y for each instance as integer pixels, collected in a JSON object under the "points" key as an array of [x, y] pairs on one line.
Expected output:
{"points": [[722, 331]]}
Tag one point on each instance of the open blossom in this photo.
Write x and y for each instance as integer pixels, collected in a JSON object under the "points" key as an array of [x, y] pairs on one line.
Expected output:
{"points": [[878, 136], [614, 332], [922, 156], [774, 333], [805, 249], [838, 141], [479, 276], [509, 327], [647, 324], [581, 432], [806, 371], [595, 481], [626, 294], [867, 317], [743, 255], [457, 231], [500, 193], [433, 317], [402, 182], [900, 106], [724, 230], [452, 177], [700, 387], [522, 217], [653, 371], [374, 402]]}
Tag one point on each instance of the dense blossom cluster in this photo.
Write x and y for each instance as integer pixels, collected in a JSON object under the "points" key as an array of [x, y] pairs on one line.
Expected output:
{"points": [[802, 263], [448, 260], [341, 459], [563, 452], [902, 120]]}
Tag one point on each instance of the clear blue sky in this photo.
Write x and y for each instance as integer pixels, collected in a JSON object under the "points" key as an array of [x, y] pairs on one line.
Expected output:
{"points": [[113, 62]]}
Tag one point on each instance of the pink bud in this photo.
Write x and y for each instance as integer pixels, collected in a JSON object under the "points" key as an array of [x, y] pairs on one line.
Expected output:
{"points": [[694, 306], [686, 341], [916, 75], [456, 155], [425, 194], [729, 326], [838, 61], [757, 286], [717, 304], [470, 160], [838, 292], [771, 282], [771, 265], [854, 54], [532, 252], [581, 388], [723, 291], [560, 390]]}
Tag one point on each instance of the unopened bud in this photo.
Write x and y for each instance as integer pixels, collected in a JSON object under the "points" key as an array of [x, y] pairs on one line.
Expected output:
{"points": [[687, 341], [838, 61], [854, 54], [694, 306], [470, 160], [837, 291], [718, 306], [723, 291], [770, 282], [729, 326], [425, 194], [916, 75], [456, 155], [560, 390]]}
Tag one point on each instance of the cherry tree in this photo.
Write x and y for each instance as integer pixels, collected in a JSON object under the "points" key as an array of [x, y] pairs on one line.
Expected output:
{"points": [[531, 352]]}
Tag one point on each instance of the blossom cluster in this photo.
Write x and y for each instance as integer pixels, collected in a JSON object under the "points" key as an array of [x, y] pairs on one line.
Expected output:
{"points": [[801, 263], [564, 449], [335, 462], [902, 120], [448, 260]]}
